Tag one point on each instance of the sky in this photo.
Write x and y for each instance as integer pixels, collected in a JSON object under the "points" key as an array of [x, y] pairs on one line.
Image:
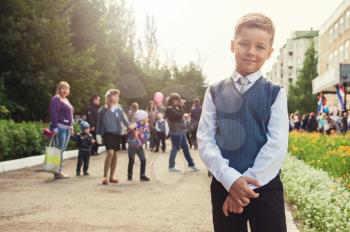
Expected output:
{"points": [[201, 30]]}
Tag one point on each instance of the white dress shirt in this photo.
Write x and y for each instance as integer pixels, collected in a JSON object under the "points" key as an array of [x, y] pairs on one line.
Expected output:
{"points": [[270, 158]]}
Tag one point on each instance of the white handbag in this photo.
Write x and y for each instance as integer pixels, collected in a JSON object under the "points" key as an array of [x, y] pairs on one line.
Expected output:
{"points": [[53, 157]]}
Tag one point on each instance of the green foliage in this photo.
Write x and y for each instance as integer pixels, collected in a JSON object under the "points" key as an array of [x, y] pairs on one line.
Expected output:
{"points": [[20, 140], [89, 44], [300, 97]]}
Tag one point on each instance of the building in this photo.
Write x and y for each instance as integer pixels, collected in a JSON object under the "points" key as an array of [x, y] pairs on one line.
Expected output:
{"points": [[291, 57], [334, 48]]}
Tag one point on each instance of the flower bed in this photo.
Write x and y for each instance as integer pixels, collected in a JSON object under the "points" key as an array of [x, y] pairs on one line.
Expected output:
{"points": [[329, 153], [320, 203]]}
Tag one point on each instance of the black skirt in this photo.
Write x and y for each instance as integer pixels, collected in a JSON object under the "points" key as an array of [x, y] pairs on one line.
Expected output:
{"points": [[111, 141]]}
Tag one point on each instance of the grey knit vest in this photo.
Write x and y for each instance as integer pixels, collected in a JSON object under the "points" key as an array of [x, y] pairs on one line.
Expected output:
{"points": [[242, 120]]}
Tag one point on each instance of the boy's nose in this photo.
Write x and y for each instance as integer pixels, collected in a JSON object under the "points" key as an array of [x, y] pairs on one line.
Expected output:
{"points": [[251, 51]]}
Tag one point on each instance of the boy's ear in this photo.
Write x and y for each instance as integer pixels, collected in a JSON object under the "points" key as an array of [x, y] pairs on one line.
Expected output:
{"points": [[270, 53], [233, 46]]}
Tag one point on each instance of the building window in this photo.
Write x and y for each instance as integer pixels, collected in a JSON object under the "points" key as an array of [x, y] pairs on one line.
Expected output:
{"points": [[330, 59], [290, 53], [347, 19], [346, 50], [331, 33], [341, 25], [341, 53], [336, 30]]}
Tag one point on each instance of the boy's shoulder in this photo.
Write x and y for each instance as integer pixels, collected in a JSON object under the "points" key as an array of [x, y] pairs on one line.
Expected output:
{"points": [[271, 87]]}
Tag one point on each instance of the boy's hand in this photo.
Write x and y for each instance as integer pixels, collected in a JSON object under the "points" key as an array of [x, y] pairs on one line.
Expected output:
{"points": [[240, 191], [93, 141], [230, 206]]}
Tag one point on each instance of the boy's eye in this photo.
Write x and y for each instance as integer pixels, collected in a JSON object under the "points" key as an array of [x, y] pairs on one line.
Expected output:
{"points": [[244, 44]]}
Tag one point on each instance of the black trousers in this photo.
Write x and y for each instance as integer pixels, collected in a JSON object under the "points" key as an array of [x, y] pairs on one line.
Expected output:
{"points": [[160, 137], [132, 151], [123, 141], [83, 159], [265, 214]]}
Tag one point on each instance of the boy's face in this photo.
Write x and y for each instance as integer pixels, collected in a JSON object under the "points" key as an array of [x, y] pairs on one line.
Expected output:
{"points": [[87, 130], [252, 47]]}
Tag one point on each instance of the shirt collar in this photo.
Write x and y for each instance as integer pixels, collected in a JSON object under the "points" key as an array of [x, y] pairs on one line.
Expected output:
{"points": [[251, 77]]}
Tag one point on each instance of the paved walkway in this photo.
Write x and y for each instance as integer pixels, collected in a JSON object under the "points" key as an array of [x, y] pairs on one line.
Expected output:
{"points": [[32, 201]]}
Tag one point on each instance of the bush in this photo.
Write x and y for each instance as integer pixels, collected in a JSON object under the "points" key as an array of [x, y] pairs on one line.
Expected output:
{"points": [[320, 203], [18, 140], [329, 153]]}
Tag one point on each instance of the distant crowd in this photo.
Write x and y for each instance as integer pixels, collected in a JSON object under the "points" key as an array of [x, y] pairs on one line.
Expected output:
{"points": [[325, 123], [133, 130]]}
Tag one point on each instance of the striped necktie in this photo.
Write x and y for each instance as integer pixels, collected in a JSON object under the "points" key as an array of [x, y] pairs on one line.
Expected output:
{"points": [[243, 82]]}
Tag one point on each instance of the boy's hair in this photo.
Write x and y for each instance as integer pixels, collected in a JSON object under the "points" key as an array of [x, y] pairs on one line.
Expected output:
{"points": [[256, 20]]}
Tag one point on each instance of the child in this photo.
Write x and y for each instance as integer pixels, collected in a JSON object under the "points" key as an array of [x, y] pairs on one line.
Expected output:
{"points": [[136, 138], [84, 140], [109, 130], [243, 136], [162, 131]]}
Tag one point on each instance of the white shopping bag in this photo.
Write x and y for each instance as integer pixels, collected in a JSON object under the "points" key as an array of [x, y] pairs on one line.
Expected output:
{"points": [[53, 157]]}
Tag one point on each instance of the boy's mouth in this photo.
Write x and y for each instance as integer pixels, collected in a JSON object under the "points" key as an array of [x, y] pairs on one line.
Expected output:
{"points": [[249, 61]]}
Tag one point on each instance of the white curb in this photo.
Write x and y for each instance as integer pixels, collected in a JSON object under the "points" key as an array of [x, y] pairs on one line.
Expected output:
{"points": [[16, 164]]}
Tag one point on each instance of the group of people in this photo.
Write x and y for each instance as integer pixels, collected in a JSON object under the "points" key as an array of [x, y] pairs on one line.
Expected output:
{"points": [[325, 123], [133, 130], [242, 133]]}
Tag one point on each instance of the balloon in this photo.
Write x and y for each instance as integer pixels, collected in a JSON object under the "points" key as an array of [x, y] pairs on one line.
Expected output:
{"points": [[158, 97]]}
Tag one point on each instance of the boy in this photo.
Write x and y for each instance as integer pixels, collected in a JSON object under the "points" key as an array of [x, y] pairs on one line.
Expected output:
{"points": [[243, 136], [136, 138], [84, 140], [162, 130]]}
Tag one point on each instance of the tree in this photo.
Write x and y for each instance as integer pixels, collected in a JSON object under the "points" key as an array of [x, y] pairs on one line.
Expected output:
{"points": [[300, 97], [36, 53]]}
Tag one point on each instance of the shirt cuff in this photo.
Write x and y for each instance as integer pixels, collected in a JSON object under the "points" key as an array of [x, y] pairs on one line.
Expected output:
{"points": [[229, 177]]}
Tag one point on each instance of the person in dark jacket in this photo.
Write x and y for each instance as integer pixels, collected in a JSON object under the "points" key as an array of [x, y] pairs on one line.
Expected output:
{"points": [[312, 123], [174, 114], [92, 119], [196, 112], [84, 141]]}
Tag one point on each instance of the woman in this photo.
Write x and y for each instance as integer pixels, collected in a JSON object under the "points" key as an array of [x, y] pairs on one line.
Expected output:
{"points": [[111, 116], [61, 113], [174, 114]]}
